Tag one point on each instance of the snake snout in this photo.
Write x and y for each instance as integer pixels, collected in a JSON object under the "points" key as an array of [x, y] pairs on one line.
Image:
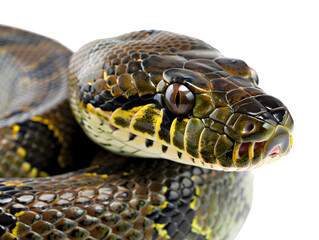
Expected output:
{"points": [[261, 130], [278, 116]]}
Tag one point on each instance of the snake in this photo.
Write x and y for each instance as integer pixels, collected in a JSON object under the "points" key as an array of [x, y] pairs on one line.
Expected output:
{"points": [[148, 135]]}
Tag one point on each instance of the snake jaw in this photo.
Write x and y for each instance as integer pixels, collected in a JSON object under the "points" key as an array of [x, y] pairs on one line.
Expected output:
{"points": [[249, 155]]}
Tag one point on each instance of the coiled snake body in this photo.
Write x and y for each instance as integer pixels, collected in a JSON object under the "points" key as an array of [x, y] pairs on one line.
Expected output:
{"points": [[144, 96]]}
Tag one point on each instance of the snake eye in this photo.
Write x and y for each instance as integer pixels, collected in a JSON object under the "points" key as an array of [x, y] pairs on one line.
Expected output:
{"points": [[179, 99]]}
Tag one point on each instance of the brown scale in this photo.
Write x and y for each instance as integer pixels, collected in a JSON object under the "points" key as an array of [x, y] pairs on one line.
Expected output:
{"points": [[123, 64], [135, 200], [162, 55]]}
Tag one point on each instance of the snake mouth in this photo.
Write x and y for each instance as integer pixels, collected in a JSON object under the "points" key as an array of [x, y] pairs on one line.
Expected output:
{"points": [[254, 154], [275, 151], [244, 148]]}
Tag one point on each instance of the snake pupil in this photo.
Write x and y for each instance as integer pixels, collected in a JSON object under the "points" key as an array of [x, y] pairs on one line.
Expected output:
{"points": [[178, 100]]}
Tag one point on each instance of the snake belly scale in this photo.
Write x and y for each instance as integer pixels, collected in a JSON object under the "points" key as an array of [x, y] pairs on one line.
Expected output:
{"points": [[176, 127]]}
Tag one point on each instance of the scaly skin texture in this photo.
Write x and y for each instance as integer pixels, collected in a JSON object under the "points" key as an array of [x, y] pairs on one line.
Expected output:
{"points": [[33, 75], [137, 199], [146, 94], [38, 134], [160, 94]]}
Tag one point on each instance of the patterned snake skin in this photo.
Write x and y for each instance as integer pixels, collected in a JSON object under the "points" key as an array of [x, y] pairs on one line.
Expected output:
{"points": [[144, 97]]}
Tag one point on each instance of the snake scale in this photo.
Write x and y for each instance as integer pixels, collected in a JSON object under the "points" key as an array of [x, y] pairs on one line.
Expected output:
{"points": [[144, 98]]}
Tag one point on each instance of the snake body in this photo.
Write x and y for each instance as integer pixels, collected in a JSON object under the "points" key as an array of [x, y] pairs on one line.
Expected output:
{"points": [[145, 97]]}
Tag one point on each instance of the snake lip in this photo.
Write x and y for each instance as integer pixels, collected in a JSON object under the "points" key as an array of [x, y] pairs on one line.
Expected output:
{"points": [[255, 154], [247, 155], [252, 147]]}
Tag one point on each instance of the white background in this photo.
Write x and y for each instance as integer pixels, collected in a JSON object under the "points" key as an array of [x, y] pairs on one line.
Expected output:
{"points": [[277, 38]]}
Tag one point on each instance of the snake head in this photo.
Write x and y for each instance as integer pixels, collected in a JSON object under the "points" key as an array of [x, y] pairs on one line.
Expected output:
{"points": [[226, 120], [165, 95]]}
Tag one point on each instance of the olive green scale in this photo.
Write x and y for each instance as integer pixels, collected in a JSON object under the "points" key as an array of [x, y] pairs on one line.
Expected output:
{"points": [[196, 106], [142, 96], [123, 198]]}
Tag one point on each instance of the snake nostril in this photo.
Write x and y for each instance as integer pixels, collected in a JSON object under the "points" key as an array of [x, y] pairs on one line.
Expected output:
{"points": [[249, 127]]}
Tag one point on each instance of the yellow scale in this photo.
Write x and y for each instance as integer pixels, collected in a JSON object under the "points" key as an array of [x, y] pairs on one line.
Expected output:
{"points": [[97, 122]]}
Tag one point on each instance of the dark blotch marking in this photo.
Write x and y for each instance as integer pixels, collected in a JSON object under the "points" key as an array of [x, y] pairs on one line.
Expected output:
{"points": [[6, 219], [45, 155], [108, 106], [87, 87], [164, 148], [122, 122], [132, 136], [164, 132], [149, 143]]}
